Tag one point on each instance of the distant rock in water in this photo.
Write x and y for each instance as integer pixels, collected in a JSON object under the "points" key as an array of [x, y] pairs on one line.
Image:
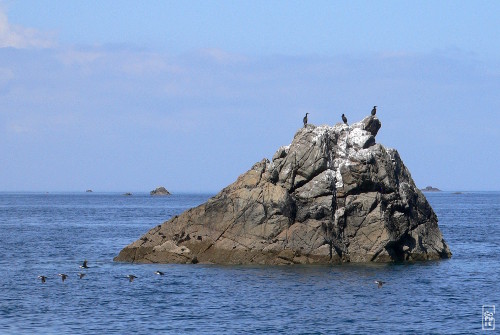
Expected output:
{"points": [[333, 195], [160, 191], [431, 189]]}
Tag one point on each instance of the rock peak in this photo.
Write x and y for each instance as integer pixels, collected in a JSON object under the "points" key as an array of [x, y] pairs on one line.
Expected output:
{"points": [[332, 195]]}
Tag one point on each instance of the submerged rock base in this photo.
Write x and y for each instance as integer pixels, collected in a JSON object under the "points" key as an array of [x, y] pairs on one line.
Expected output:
{"points": [[333, 195]]}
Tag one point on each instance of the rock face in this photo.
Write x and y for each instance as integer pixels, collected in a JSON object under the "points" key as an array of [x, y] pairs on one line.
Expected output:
{"points": [[333, 195], [160, 191]]}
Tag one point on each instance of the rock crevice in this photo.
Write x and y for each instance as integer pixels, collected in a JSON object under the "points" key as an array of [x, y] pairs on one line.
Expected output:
{"points": [[332, 195]]}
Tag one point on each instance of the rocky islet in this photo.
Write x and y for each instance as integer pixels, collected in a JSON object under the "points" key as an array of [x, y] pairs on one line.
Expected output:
{"points": [[159, 191], [333, 195]]}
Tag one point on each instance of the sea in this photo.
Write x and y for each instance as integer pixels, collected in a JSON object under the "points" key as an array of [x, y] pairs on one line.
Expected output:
{"points": [[51, 233]]}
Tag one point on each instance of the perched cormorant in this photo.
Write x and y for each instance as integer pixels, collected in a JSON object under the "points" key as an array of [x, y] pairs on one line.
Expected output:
{"points": [[63, 276], [84, 265], [344, 119], [374, 110], [131, 278], [305, 120], [159, 273], [42, 278], [81, 275], [379, 283]]}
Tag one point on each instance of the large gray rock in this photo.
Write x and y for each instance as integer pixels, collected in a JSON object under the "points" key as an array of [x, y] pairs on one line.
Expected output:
{"points": [[332, 195]]}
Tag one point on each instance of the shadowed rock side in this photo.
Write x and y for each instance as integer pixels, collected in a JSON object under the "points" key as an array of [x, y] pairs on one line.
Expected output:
{"points": [[332, 195]]}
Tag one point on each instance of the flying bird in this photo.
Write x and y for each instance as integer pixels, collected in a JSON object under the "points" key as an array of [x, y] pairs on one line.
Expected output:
{"points": [[42, 278], [81, 275], [131, 278], [305, 120], [344, 119], [379, 283], [63, 276], [159, 273], [374, 110], [84, 265]]}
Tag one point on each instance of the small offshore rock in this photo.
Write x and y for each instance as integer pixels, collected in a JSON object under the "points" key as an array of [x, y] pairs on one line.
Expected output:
{"points": [[431, 189], [160, 191]]}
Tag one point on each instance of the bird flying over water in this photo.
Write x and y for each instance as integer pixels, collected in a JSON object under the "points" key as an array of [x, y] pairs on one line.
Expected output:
{"points": [[63, 276], [42, 278], [84, 265], [81, 275], [159, 273], [131, 278], [374, 110], [379, 283], [305, 120], [344, 119]]}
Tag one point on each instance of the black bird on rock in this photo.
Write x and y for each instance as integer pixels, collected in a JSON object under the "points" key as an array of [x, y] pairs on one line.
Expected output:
{"points": [[344, 119], [42, 278], [374, 110], [305, 120]]}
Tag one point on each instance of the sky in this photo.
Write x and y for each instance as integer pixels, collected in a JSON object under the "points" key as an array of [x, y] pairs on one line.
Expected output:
{"points": [[126, 95]]}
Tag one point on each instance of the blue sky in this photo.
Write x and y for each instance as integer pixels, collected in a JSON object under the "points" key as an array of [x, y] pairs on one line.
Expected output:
{"points": [[128, 95]]}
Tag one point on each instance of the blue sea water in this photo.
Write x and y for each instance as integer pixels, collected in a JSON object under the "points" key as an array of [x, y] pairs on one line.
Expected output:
{"points": [[47, 234]]}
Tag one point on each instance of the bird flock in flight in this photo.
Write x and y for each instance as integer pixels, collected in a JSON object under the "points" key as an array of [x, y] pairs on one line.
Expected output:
{"points": [[80, 275], [131, 278]]}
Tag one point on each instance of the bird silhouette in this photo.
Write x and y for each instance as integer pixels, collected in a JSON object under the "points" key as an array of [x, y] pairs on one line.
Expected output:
{"points": [[63, 276], [344, 119], [159, 273], [42, 278], [131, 278], [379, 283], [84, 265], [374, 110], [305, 120], [81, 275]]}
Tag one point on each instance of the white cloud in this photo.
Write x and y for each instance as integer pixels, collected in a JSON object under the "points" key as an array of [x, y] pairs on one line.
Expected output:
{"points": [[13, 36]]}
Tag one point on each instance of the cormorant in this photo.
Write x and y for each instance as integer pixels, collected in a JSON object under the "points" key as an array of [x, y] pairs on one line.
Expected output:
{"points": [[131, 278], [344, 119], [81, 275], [305, 120], [374, 110], [63, 276], [159, 273], [84, 265], [379, 283], [42, 278]]}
